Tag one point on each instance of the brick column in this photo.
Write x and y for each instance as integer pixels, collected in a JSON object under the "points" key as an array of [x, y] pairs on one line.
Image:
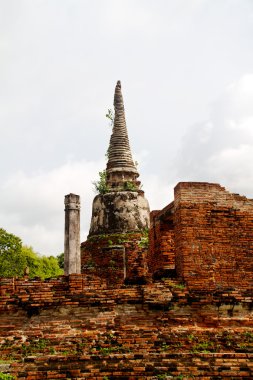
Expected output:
{"points": [[72, 261]]}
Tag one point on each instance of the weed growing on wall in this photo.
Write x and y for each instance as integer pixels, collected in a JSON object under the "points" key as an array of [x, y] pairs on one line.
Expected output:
{"points": [[5, 376], [101, 186], [110, 116], [144, 242], [129, 186]]}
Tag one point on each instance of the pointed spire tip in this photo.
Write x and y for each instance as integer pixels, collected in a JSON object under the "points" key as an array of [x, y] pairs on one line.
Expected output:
{"points": [[118, 84]]}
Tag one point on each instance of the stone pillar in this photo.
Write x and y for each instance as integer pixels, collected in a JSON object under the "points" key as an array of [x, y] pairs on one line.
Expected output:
{"points": [[72, 260]]}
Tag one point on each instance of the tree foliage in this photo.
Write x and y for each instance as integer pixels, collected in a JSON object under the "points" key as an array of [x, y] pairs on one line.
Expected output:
{"points": [[12, 262], [60, 259], [14, 258], [101, 186], [41, 266]]}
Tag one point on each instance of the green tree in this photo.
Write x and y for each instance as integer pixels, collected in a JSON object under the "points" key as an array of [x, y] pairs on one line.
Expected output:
{"points": [[50, 267], [12, 262], [32, 260], [41, 266], [60, 259], [14, 258]]}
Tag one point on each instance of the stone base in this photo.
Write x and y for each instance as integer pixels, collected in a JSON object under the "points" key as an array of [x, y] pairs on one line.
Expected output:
{"points": [[119, 212]]}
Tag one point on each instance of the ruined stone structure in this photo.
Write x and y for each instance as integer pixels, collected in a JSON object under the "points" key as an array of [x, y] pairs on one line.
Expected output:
{"points": [[72, 259], [120, 167], [122, 207], [204, 238], [120, 215], [78, 327], [177, 306]]}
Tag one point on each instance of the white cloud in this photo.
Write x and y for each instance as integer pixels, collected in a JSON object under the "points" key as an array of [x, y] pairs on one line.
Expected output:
{"points": [[157, 191], [221, 149], [59, 63], [32, 206], [128, 16]]}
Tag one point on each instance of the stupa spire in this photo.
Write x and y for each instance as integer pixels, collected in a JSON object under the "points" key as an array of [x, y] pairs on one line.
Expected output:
{"points": [[122, 207], [120, 166]]}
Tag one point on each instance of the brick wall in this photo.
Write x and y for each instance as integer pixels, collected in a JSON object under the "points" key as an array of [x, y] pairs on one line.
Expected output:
{"points": [[194, 320], [161, 253], [213, 237], [75, 327], [138, 366], [117, 258], [206, 234]]}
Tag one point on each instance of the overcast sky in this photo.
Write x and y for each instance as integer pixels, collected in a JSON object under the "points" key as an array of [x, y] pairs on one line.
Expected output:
{"points": [[186, 68]]}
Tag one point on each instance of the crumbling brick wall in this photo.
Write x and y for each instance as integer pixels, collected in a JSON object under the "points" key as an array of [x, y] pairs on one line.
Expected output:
{"points": [[73, 327], [206, 234], [213, 237], [161, 254], [117, 258]]}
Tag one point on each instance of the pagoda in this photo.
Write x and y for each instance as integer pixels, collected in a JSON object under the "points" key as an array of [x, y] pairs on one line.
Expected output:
{"points": [[116, 248], [120, 167], [122, 207]]}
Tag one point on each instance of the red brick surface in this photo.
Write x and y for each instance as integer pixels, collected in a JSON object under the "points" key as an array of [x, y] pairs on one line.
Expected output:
{"points": [[161, 254], [116, 258], [77, 328], [213, 237], [180, 310], [206, 234]]}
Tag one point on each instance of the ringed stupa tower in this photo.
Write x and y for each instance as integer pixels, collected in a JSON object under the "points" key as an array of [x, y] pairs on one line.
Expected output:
{"points": [[116, 248], [122, 207], [120, 167]]}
